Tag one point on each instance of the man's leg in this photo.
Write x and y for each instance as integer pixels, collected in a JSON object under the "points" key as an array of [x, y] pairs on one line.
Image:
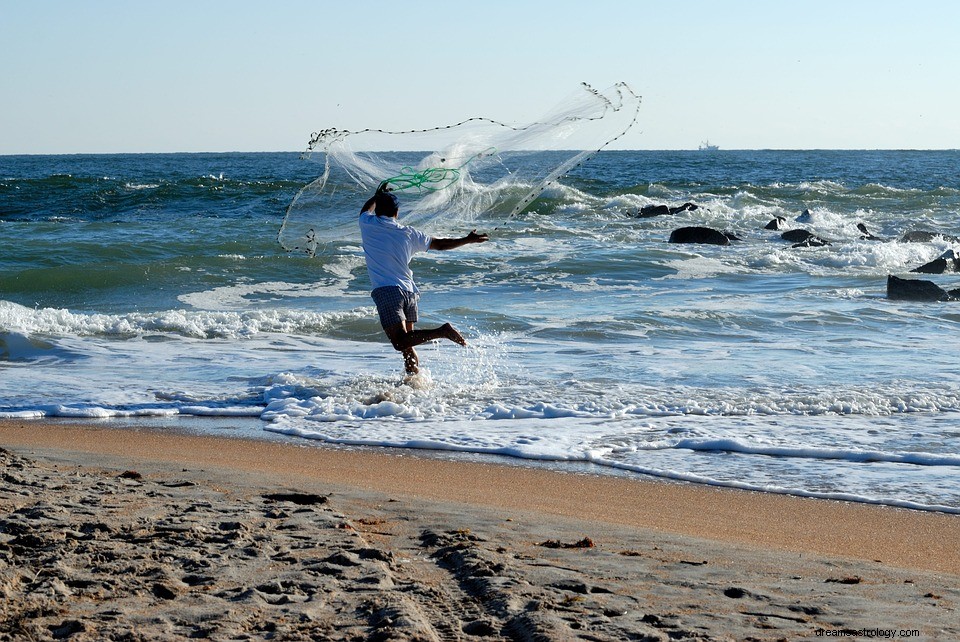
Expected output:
{"points": [[411, 362], [404, 338]]}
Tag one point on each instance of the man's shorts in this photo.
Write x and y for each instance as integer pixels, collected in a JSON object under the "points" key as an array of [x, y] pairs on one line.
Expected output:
{"points": [[395, 305]]}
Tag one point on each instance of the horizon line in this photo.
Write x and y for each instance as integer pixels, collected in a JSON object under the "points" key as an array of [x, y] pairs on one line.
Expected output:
{"points": [[605, 151]]}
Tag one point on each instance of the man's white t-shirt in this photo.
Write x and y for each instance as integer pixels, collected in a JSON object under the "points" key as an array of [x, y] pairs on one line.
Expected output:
{"points": [[388, 247]]}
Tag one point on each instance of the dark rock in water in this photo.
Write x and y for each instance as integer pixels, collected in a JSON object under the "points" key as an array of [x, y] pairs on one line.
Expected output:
{"points": [[649, 211], [805, 216], [701, 235], [917, 236], [922, 236], [803, 238], [796, 236], [866, 235], [686, 207], [948, 262], [915, 290], [776, 224], [936, 266]]}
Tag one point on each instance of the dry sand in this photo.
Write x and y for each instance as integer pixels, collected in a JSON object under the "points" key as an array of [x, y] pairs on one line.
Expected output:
{"points": [[137, 534]]}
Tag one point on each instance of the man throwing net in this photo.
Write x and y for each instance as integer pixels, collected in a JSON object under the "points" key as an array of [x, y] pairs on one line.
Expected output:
{"points": [[388, 247]]}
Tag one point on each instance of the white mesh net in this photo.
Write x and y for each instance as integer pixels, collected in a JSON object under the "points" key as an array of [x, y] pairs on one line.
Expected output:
{"points": [[450, 176]]}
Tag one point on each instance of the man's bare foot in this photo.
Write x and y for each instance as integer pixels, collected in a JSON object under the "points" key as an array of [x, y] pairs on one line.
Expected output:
{"points": [[451, 333], [411, 361]]}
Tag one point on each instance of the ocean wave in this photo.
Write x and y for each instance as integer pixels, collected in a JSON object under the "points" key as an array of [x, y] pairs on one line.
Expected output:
{"points": [[197, 324], [532, 442], [17, 347], [95, 411], [843, 454], [484, 398], [779, 489]]}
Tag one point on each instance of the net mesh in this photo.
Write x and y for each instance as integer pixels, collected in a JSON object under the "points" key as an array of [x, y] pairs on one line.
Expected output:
{"points": [[450, 176]]}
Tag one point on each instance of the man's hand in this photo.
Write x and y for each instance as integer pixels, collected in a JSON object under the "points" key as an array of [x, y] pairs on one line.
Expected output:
{"points": [[473, 237], [452, 244]]}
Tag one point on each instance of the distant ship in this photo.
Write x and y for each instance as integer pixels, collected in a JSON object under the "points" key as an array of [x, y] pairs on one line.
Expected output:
{"points": [[705, 146]]}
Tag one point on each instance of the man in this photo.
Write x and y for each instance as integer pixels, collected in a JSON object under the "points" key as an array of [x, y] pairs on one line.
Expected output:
{"points": [[388, 247]]}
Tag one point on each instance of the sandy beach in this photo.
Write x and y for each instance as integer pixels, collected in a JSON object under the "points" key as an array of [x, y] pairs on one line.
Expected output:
{"points": [[137, 534]]}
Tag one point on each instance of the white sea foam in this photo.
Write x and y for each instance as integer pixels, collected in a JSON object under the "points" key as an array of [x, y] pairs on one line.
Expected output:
{"points": [[189, 323], [699, 267], [592, 443], [846, 454], [362, 398], [780, 489], [240, 296]]}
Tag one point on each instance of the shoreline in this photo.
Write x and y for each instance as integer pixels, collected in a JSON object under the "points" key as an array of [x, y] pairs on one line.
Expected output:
{"points": [[118, 534], [778, 522]]}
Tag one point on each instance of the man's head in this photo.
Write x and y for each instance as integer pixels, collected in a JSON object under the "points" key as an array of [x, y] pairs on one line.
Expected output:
{"points": [[387, 204]]}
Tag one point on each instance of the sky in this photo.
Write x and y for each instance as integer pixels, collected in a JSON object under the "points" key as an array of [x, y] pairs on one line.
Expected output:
{"points": [[104, 76]]}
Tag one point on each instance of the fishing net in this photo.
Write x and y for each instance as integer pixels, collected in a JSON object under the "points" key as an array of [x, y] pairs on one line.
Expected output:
{"points": [[449, 177]]}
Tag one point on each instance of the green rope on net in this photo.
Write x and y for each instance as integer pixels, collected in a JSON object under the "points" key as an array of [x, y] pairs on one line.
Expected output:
{"points": [[431, 179]]}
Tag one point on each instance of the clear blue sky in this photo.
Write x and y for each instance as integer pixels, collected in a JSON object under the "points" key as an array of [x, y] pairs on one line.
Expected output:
{"points": [[204, 75]]}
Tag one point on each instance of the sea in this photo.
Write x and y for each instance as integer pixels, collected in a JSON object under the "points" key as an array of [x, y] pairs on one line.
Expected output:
{"points": [[150, 291]]}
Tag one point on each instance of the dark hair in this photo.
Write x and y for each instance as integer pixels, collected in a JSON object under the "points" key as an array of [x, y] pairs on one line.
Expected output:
{"points": [[387, 204]]}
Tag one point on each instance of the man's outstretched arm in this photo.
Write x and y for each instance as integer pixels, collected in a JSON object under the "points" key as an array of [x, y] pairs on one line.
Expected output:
{"points": [[452, 244]]}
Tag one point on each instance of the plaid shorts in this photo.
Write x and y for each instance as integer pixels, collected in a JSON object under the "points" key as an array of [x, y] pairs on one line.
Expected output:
{"points": [[395, 305]]}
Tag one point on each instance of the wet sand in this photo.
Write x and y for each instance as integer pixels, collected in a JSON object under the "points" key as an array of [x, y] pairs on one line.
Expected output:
{"points": [[129, 534]]}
